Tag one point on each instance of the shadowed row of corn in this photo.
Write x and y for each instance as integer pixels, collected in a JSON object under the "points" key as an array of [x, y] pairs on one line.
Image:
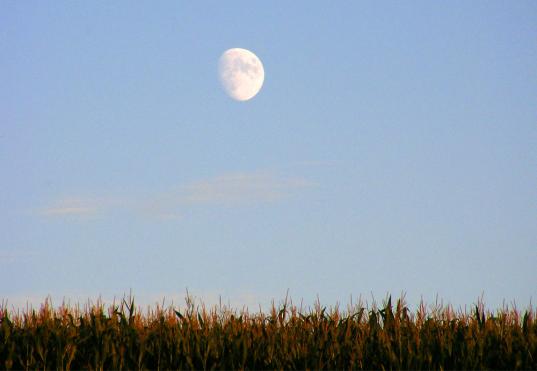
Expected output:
{"points": [[122, 337]]}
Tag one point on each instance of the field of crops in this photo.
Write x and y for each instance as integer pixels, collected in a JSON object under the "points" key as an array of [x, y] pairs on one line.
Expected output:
{"points": [[359, 337]]}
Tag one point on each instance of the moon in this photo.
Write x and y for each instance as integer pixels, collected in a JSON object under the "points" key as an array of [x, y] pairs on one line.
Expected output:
{"points": [[241, 73]]}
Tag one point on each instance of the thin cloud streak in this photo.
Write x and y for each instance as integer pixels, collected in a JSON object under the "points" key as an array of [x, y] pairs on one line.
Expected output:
{"points": [[231, 189], [239, 188], [71, 207]]}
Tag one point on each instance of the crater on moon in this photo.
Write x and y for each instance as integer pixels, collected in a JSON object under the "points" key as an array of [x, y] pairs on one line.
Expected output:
{"points": [[241, 73]]}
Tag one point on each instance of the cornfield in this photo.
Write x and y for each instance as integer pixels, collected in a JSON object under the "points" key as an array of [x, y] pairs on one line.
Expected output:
{"points": [[389, 336]]}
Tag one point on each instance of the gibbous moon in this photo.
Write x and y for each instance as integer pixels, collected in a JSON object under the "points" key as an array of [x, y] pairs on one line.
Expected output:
{"points": [[241, 73]]}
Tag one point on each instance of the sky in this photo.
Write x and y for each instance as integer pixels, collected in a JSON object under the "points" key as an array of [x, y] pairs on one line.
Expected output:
{"points": [[392, 149]]}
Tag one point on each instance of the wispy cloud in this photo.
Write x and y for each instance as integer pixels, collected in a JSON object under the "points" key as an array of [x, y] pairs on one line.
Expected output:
{"points": [[231, 189], [239, 188], [71, 207]]}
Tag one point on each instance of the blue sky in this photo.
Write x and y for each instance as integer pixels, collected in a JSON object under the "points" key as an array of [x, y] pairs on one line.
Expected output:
{"points": [[392, 148]]}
